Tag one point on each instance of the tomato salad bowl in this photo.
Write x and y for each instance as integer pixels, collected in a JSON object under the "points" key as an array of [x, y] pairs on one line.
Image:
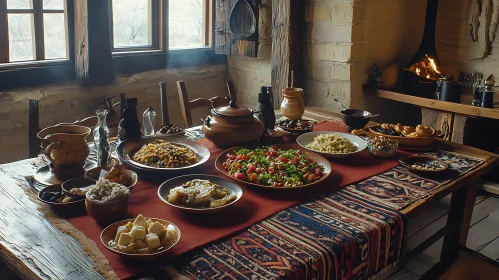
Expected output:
{"points": [[286, 166]]}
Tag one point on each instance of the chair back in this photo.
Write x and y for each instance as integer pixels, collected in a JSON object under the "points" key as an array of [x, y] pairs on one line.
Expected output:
{"points": [[186, 106]]}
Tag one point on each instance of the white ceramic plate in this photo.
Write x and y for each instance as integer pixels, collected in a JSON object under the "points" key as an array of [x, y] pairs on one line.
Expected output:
{"points": [[307, 138]]}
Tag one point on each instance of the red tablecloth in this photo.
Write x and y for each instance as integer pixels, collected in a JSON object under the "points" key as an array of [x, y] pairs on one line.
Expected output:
{"points": [[254, 206]]}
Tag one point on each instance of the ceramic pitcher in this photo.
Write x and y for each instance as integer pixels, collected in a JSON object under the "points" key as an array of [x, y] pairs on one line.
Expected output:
{"points": [[292, 106], [65, 145]]}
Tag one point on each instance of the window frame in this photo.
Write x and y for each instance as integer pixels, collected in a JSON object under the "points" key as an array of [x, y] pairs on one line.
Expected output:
{"points": [[37, 12], [37, 72], [32, 73]]}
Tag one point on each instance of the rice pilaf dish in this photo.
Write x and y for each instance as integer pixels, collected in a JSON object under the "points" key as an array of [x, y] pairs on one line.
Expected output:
{"points": [[165, 155], [332, 144]]}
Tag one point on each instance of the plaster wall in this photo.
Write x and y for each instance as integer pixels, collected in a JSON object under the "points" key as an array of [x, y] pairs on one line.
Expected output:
{"points": [[68, 102]]}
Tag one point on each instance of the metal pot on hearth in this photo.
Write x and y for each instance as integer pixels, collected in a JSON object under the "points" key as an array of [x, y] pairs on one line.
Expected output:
{"points": [[231, 126]]}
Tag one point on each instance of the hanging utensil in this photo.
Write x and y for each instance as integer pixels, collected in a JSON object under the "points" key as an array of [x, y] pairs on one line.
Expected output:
{"points": [[242, 21]]}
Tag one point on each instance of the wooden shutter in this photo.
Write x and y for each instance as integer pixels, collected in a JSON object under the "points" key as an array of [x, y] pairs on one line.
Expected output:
{"points": [[224, 43]]}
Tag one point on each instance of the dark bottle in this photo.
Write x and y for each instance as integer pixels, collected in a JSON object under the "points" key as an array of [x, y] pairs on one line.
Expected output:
{"points": [[487, 100], [265, 109], [129, 125]]}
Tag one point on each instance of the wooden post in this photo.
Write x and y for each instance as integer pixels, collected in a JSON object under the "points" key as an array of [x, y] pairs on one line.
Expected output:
{"points": [[93, 55], [288, 37]]}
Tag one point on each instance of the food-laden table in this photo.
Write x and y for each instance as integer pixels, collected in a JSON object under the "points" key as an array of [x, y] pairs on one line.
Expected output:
{"points": [[34, 242]]}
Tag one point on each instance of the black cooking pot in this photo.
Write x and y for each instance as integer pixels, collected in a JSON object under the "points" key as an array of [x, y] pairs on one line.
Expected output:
{"points": [[354, 118]]}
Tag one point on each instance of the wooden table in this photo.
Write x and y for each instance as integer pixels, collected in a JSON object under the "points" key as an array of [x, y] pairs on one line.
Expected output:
{"points": [[35, 249]]}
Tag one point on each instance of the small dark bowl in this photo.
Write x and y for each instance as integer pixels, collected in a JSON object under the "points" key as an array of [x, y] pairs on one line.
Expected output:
{"points": [[76, 183], [75, 204], [354, 118]]}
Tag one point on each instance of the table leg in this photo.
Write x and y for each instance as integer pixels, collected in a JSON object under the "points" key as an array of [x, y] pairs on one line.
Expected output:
{"points": [[457, 219], [468, 213]]}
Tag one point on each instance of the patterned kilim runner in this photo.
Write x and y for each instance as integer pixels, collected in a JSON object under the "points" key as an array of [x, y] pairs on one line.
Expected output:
{"points": [[350, 234]]}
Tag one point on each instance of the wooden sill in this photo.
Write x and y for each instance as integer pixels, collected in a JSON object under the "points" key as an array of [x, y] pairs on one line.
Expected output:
{"points": [[34, 63], [464, 108], [146, 61]]}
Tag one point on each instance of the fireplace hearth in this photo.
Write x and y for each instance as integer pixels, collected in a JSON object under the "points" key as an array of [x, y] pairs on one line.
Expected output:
{"points": [[420, 77]]}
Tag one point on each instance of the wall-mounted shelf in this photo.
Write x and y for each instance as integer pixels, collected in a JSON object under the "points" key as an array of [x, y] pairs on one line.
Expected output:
{"points": [[463, 108]]}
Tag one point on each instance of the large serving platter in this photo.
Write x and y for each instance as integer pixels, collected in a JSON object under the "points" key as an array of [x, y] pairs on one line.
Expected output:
{"points": [[128, 148], [319, 159], [406, 142], [307, 138], [164, 191]]}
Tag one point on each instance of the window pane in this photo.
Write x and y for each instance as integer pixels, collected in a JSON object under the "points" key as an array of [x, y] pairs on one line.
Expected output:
{"points": [[20, 37], [53, 4], [55, 35], [185, 23], [18, 4], [131, 23]]}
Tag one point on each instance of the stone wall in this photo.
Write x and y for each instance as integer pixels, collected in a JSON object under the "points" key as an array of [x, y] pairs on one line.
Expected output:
{"points": [[67, 102]]}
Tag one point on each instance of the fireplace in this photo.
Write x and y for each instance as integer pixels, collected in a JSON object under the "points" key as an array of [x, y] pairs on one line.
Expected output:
{"points": [[422, 73]]}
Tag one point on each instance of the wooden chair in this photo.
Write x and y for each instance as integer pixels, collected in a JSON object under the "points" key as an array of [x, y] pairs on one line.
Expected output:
{"points": [[186, 106]]}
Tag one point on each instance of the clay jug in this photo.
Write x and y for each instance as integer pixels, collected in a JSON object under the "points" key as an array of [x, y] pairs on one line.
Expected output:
{"points": [[65, 145], [292, 106]]}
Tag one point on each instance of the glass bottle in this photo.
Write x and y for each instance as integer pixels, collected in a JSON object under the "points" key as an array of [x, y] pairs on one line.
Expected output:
{"points": [[149, 119], [101, 135]]}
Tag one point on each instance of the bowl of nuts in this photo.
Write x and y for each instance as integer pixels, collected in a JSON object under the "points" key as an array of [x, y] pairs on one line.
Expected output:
{"points": [[382, 147], [424, 165]]}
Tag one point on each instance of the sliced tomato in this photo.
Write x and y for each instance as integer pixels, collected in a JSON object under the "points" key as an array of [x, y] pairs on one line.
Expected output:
{"points": [[271, 168], [281, 167], [232, 157], [246, 157], [318, 172], [238, 165], [253, 177], [240, 176], [277, 185], [309, 159], [251, 168], [283, 159]]}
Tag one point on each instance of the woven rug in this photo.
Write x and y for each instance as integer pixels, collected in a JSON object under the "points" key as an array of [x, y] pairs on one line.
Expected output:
{"points": [[351, 234]]}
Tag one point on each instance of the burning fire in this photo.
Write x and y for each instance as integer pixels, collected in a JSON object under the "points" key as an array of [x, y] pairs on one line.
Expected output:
{"points": [[426, 68]]}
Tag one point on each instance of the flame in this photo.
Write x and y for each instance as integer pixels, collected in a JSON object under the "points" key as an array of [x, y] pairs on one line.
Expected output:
{"points": [[433, 65], [426, 68]]}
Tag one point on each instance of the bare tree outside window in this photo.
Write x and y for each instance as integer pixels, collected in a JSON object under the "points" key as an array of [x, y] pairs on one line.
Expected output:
{"points": [[23, 42], [131, 23], [185, 23]]}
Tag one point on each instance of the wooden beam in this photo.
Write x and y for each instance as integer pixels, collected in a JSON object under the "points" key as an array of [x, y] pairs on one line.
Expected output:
{"points": [[288, 37], [93, 45]]}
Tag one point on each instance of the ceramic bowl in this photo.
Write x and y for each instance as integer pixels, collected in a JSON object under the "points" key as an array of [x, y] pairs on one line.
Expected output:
{"points": [[355, 118], [94, 174], [410, 160], [108, 211], [77, 203], [76, 183], [307, 138], [406, 142], [164, 191], [109, 233], [319, 159], [128, 148]]}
